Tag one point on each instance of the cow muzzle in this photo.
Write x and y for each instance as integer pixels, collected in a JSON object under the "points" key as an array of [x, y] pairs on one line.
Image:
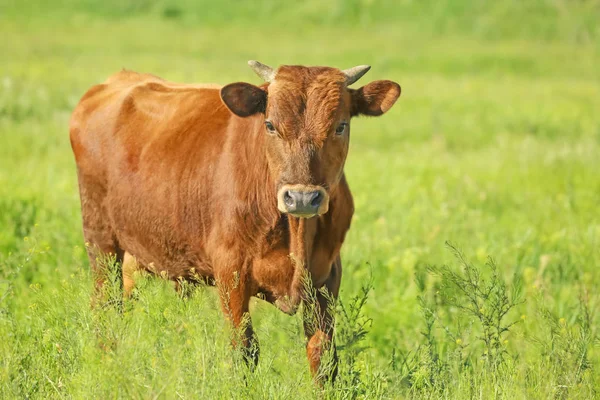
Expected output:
{"points": [[302, 201]]}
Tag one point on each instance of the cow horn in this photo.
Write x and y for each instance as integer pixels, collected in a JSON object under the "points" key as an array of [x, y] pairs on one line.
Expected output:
{"points": [[355, 73], [262, 70]]}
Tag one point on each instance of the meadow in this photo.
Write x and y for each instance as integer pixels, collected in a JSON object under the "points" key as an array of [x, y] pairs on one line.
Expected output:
{"points": [[472, 264]]}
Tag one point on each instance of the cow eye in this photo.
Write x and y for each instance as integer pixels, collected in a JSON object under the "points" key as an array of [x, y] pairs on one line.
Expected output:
{"points": [[341, 128], [270, 127]]}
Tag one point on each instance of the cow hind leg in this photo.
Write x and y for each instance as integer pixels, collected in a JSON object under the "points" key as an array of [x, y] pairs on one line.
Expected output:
{"points": [[130, 267], [103, 250]]}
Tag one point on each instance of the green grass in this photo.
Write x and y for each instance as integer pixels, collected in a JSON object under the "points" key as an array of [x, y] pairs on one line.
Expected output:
{"points": [[492, 146]]}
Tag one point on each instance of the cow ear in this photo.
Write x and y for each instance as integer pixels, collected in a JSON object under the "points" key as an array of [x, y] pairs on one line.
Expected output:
{"points": [[244, 99], [375, 98]]}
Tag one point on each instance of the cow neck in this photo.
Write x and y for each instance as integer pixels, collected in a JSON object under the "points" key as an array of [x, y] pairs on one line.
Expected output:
{"points": [[259, 188], [302, 232], [297, 232]]}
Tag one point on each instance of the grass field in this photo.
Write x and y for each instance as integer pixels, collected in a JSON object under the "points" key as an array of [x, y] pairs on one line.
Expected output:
{"points": [[494, 146]]}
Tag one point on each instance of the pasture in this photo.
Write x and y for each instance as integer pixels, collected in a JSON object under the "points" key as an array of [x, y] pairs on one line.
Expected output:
{"points": [[493, 148]]}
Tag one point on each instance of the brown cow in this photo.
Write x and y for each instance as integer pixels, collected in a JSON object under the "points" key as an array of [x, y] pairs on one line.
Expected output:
{"points": [[241, 185]]}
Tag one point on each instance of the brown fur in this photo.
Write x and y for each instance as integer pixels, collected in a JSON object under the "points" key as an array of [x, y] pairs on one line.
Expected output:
{"points": [[172, 181]]}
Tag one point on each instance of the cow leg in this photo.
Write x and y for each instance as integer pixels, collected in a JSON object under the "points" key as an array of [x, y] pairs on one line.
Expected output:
{"points": [[130, 267], [98, 233], [318, 327], [235, 299]]}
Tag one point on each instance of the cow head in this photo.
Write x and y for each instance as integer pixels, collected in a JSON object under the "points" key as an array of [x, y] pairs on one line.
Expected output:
{"points": [[307, 112]]}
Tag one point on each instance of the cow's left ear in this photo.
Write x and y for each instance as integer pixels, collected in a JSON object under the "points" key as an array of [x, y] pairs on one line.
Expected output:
{"points": [[244, 99], [375, 98]]}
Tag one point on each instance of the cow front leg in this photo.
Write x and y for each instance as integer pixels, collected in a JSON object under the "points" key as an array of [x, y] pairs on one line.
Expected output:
{"points": [[235, 298], [319, 321]]}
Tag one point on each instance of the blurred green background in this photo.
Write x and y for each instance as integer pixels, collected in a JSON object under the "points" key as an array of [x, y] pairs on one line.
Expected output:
{"points": [[492, 146]]}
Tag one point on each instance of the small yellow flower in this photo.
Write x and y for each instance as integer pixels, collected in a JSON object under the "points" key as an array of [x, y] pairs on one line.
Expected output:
{"points": [[458, 342], [562, 321], [523, 317], [529, 274]]}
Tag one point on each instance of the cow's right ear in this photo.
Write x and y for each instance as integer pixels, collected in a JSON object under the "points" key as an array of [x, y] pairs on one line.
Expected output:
{"points": [[244, 99]]}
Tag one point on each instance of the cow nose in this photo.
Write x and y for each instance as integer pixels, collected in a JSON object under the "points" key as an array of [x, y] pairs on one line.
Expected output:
{"points": [[302, 202]]}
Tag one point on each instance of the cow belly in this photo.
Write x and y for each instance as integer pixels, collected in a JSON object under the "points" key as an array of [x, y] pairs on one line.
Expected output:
{"points": [[170, 260], [161, 247]]}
